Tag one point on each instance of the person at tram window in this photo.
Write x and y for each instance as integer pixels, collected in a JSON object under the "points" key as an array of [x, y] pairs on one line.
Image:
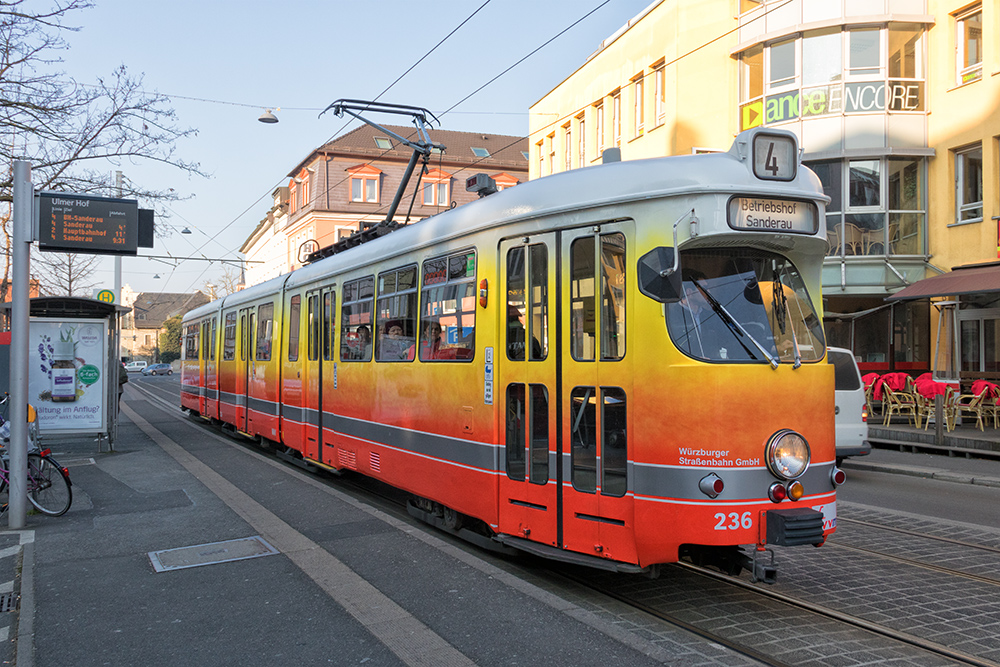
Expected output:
{"points": [[516, 336], [365, 336], [430, 343], [393, 345], [694, 325]]}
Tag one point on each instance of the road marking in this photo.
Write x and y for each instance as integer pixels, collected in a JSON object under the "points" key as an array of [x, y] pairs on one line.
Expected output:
{"points": [[412, 641]]}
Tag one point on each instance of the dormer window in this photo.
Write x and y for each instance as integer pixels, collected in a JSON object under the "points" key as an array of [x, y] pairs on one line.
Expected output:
{"points": [[437, 188]]}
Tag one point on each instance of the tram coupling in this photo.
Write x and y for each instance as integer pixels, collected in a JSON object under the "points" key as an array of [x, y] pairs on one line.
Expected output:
{"points": [[766, 572]]}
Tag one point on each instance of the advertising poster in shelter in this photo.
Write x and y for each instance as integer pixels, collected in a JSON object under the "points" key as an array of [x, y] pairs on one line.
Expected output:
{"points": [[67, 374]]}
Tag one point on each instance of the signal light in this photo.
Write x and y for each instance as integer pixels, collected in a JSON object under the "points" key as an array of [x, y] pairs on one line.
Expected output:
{"points": [[484, 292], [796, 490], [777, 492], [838, 477]]}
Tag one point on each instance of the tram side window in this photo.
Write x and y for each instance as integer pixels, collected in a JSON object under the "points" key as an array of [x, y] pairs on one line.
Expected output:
{"points": [[527, 287], [356, 320], [587, 271], [265, 324], [211, 347], [531, 421], [448, 308], [612, 443], [614, 452], [204, 339], [294, 306], [191, 342], [396, 315], [229, 342], [312, 342], [329, 323]]}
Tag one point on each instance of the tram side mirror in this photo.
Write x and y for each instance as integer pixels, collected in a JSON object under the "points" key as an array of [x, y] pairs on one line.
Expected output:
{"points": [[659, 278]]}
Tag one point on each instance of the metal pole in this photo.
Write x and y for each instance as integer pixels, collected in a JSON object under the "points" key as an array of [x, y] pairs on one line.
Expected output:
{"points": [[24, 196], [114, 363]]}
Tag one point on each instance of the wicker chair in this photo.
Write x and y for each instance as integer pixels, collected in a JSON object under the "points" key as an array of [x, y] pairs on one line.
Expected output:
{"points": [[900, 403], [971, 404]]}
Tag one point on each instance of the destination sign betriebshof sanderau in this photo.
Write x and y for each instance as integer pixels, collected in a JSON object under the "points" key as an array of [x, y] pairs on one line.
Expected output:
{"points": [[760, 214], [81, 223]]}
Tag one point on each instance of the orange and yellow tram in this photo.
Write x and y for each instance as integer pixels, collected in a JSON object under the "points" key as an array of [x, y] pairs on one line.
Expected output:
{"points": [[620, 365]]}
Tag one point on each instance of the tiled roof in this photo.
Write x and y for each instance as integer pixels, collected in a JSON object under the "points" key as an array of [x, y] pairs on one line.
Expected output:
{"points": [[505, 151], [152, 309]]}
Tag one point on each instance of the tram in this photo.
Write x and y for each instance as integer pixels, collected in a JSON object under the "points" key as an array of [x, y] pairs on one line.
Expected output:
{"points": [[621, 365]]}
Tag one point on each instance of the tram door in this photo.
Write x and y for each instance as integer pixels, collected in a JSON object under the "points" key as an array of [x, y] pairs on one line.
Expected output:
{"points": [[244, 369], [526, 359], [317, 382], [596, 383]]}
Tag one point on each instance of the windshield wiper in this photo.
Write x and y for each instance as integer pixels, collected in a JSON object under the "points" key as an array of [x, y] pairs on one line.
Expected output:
{"points": [[781, 313], [733, 324]]}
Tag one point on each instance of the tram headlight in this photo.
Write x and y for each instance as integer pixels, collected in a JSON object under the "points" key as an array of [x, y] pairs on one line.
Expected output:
{"points": [[787, 454]]}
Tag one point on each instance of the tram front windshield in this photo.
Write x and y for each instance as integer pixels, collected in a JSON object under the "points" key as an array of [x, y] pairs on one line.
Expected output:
{"points": [[744, 306]]}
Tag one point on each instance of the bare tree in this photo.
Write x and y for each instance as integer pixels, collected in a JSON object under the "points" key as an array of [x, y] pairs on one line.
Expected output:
{"points": [[70, 132], [66, 274], [230, 282]]}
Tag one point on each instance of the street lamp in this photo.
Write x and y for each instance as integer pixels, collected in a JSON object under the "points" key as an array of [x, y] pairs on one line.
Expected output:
{"points": [[268, 117]]}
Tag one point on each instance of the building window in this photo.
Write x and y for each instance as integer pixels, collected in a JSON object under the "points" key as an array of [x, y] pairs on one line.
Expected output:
{"points": [[304, 192], [781, 69], [969, 45], [568, 146], [617, 118], [552, 153], [292, 197], [969, 183], [581, 133], [659, 94], [882, 209], [437, 188], [599, 130], [383, 143], [541, 158], [638, 112], [364, 183], [865, 52], [480, 152]]}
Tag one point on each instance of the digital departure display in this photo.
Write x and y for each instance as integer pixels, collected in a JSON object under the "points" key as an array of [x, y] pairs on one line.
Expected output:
{"points": [[92, 225]]}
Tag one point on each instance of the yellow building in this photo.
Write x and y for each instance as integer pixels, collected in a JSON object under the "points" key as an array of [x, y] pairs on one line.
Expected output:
{"points": [[895, 103]]}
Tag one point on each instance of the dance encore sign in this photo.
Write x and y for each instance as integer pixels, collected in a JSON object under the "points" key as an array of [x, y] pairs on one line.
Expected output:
{"points": [[93, 225], [757, 214]]}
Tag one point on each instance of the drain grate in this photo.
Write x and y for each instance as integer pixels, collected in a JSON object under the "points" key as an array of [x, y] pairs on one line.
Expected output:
{"points": [[8, 602], [210, 554]]}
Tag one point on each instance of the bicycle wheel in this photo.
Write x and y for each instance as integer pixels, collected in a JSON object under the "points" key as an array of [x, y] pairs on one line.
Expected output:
{"points": [[48, 490]]}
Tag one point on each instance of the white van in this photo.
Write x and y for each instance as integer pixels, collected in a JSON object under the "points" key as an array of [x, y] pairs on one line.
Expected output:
{"points": [[135, 366], [850, 408]]}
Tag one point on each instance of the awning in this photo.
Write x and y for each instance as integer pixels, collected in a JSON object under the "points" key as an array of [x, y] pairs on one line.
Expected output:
{"points": [[962, 280]]}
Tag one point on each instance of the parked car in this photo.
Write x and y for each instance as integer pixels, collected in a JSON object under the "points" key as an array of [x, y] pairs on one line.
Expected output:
{"points": [[158, 369], [850, 407], [135, 366]]}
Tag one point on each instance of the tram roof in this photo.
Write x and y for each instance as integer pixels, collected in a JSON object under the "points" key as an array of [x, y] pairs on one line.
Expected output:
{"points": [[564, 193]]}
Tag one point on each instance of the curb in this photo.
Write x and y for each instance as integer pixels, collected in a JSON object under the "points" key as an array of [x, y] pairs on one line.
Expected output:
{"points": [[919, 471]]}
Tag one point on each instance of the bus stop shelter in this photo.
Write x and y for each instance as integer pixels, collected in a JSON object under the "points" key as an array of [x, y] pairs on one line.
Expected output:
{"points": [[73, 367]]}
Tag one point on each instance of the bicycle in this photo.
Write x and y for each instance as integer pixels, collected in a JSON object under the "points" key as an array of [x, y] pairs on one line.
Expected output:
{"points": [[50, 490]]}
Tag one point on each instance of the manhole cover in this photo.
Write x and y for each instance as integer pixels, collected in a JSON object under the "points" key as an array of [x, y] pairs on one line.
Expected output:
{"points": [[210, 554]]}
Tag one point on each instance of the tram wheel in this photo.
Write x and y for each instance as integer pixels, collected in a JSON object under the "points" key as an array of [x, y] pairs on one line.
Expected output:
{"points": [[452, 519]]}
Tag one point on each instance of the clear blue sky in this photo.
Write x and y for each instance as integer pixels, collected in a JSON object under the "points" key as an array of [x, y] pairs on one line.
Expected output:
{"points": [[300, 56]]}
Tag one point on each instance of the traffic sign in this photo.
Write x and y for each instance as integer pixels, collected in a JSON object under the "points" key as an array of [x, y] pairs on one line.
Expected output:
{"points": [[105, 295]]}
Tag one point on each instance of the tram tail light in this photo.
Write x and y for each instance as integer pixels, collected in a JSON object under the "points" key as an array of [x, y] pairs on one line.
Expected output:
{"points": [[484, 292], [777, 492], [838, 476], [796, 490], [711, 485]]}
